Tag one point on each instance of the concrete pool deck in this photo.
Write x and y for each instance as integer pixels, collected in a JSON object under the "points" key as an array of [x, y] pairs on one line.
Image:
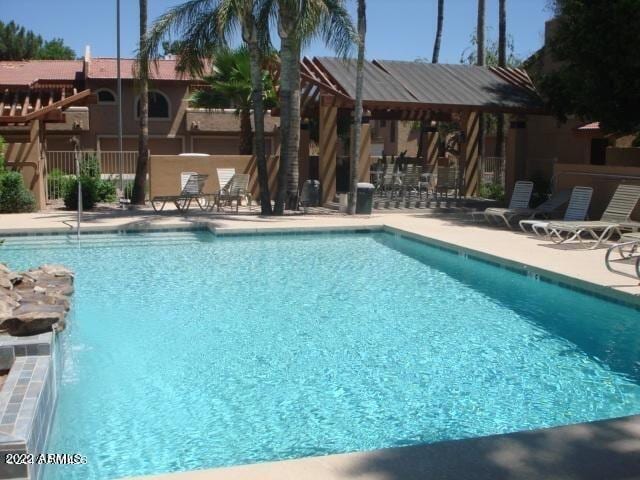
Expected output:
{"points": [[598, 450]]}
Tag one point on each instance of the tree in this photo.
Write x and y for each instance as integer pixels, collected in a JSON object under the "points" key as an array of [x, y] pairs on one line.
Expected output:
{"points": [[502, 62], [597, 78], [138, 194], [204, 25], [18, 43], [436, 43], [480, 61], [299, 21], [357, 113], [231, 87]]}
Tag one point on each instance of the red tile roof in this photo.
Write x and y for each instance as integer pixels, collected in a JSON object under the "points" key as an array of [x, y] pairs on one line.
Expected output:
{"points": [[105, 68], [28, 72]]}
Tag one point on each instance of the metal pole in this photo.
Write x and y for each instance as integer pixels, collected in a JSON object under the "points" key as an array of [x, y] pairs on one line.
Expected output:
{"points": [[119, 97]]}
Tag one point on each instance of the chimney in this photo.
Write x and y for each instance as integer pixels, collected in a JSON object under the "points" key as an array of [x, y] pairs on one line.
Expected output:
{"points": [[87, 53]]}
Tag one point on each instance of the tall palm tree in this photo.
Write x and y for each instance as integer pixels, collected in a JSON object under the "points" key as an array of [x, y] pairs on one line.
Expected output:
{"points": [[204, 25], [436, 44], [299, 21], [138, 194], [502, 62], [480, 60], [357, 114], [230, 86]]}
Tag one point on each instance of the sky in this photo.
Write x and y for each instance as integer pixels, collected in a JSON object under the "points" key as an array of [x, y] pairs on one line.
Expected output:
{"points": [[397, 29]]}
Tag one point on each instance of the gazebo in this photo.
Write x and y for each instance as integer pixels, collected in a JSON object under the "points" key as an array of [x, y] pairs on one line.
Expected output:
{"points": [[414, 91], [24, 111]]}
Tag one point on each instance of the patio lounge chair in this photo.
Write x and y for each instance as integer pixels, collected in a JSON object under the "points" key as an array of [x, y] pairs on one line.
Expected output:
{"points": [[576, 210], [446, 179], [236, 189], [192, 185], [518, 206], [618, 211]]}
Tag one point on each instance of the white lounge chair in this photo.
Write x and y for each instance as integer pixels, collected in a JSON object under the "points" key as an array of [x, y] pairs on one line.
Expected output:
{"points": [[518, 205], [224, 176], [576, 210], [618, 212]]}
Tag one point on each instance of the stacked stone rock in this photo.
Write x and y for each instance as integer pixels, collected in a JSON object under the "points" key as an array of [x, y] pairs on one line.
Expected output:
{"points": [[35, 301]]}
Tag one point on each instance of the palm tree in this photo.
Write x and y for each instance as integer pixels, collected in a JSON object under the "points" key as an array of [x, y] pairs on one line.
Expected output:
{"points": [[436, 44], [299, 21], [138, 194], [357, 114], [480, 61], [502, 62], [204, 25], [231, 87]]}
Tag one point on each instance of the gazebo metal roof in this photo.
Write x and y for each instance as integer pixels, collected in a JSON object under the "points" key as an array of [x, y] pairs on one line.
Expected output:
{"points": [[421, 87]]}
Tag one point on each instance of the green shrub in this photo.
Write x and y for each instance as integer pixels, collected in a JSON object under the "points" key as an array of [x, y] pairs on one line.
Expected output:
{"points": [[89, 193], [105, 191], [493, 191], [90, 167], [58, 183], [14, 196]]}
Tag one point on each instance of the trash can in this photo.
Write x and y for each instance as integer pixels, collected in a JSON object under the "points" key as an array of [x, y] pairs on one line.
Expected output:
{"points": [[364, 198]]}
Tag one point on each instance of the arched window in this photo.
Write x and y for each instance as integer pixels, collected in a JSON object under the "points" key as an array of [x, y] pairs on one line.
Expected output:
{"points": [[158, 105], [105, 96]]}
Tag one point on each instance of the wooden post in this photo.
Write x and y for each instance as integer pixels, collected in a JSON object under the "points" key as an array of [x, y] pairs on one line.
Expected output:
{"points": [[470, 153], [328, 146], [364, 161], [303, 155], [430, 153], [515, 162]]}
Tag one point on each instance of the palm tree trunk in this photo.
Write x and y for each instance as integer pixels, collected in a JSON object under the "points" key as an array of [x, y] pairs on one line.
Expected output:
{"points": [[258, 119], [480, 61], [138, 194], [357, 114], [288, 53], [436, 44], [246, 133], [293, 144], [502, 62]]}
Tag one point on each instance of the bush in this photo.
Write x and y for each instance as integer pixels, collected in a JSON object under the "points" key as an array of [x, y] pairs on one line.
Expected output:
{"points": [[58, 183], [14, 196], [105, 191], [90, 167], [493, 191], [89, 193]]}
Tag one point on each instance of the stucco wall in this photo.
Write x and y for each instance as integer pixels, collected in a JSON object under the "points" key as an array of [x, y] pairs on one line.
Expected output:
{"points": [[604, 179]]}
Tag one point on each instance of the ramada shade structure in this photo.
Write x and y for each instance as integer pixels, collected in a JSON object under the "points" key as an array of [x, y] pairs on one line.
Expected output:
{"points": [[401, 90], [420, 87]]}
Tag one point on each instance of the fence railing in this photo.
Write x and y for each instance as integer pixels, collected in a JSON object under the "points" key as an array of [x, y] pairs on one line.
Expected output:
{"points": [[493, 171], [61, 168]]}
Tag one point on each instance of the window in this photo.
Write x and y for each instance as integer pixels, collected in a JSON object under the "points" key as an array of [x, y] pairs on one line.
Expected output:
{"points": [[158, 105], [392, 131], [105, 96]]}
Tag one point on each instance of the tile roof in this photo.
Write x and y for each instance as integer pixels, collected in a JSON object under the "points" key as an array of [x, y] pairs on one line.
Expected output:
{"points": [[25, 73], [106, 68], [590, 127]]}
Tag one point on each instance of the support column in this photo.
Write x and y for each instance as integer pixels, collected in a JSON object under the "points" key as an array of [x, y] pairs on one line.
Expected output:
{"points": [[328, 145], [364, 160], [430, 142], [470, 153], [515, 162], [303, 154]]}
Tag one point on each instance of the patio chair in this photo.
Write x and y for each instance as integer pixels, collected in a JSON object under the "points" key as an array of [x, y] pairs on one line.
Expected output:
{"points": [[224, 176], [446, 179], [410, 180], [576, 210], [236, 189], [518, 206], [192, 186], [618, 212]]}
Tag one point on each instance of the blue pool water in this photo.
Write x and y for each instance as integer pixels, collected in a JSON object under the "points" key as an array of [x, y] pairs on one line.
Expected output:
{"points": [[188, 351]]}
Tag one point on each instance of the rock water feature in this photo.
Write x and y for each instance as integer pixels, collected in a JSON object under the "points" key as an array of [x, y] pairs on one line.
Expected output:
{"points": [[35, 301]]}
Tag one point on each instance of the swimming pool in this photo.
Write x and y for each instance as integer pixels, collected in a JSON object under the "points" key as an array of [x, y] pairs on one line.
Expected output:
{"points": [[188, 350]]}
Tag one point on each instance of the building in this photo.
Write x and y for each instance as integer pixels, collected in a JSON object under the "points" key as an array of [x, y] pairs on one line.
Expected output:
{"points": [[174, 127]]}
